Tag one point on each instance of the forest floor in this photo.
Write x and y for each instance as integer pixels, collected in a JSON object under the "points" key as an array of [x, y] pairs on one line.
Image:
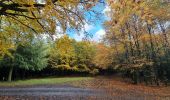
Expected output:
{"points": [[98, 88]]}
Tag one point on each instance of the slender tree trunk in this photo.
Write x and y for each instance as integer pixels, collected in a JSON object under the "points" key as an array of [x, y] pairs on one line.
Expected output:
{"points": [[151, 41], [136, 35], [125, 44], [10, 74], [130, 39], [166, 43]]}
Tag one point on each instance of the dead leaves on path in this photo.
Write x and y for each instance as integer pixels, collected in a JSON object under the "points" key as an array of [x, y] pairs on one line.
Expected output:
{"points": [[118, 87]]}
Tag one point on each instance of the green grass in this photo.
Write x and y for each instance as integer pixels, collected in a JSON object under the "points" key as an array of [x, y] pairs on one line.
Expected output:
{"points": [[43, 81]]}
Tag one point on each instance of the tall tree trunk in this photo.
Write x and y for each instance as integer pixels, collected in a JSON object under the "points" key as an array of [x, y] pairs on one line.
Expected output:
{"points": [[136, 35], [130, 39], [151, 41], [125, 44], [10, 74], [162, 27]]}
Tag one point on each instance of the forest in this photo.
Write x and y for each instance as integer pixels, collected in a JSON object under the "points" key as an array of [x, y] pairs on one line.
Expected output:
{"points": [[136, 44]]}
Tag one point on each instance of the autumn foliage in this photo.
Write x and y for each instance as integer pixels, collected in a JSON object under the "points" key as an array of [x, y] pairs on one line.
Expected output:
{"points": [[136, 43]]}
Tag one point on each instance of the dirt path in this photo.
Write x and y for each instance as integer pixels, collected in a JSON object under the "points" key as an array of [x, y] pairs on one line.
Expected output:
{"points": [[52, 93], [45, 91]]}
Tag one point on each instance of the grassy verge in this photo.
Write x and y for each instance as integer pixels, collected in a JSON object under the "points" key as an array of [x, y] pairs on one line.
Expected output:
{"points": [[43, 81]]}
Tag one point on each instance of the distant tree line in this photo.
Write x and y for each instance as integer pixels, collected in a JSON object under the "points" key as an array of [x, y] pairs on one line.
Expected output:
{"points": [[65, 56]]}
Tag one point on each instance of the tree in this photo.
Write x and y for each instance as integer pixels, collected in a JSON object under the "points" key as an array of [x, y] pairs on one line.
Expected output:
{"points": [[84, 54], [63, 52], [33, 56], [103, 56]]}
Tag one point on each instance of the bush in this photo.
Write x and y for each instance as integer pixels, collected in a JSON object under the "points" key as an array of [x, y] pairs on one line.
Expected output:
{"points": [[94, 72]]}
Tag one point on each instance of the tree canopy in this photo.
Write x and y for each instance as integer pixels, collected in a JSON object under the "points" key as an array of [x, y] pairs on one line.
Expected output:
{"points": [[21, 18], [142, 28]]}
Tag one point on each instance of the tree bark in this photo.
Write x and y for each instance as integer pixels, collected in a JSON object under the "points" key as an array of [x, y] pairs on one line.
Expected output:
{"points": [[10, 74]]}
